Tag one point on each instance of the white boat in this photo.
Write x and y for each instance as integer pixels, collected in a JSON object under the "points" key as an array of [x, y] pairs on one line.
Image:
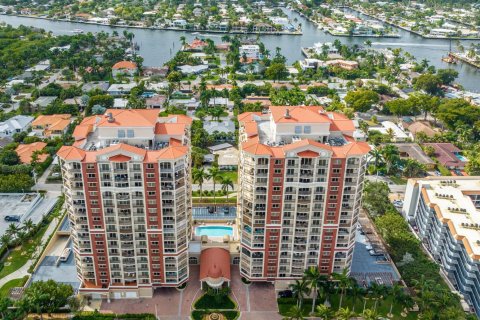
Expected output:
{"points": [[78, 31]]}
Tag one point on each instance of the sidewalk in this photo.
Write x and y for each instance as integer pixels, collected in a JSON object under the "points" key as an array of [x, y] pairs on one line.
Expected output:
{"points": [[23, 271]]}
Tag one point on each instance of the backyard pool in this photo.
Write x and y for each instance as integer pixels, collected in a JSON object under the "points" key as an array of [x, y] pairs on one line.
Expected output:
{"points": [[214, 231], [461, 157]]}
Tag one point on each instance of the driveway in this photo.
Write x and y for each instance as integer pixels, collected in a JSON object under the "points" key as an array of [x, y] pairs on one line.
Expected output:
{"points": [[169, 303], [256, 301]]}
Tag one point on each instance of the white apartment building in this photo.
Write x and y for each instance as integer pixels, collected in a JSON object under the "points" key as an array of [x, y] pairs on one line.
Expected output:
{"points": [[445, 212]]}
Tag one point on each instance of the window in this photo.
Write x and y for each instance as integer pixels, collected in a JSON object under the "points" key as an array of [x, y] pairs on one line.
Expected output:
{"points": [[278, 162], [278, 171], [150, 165], [307, 129], [298, 129], [130, 133], [90, 166], [121, 133]]}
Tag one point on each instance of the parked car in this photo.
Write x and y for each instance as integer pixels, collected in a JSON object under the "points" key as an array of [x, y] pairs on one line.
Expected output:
{"points": [[285, 294], [398, 203], [375, 253], [369, 247], [12, 218], [458, 172]]}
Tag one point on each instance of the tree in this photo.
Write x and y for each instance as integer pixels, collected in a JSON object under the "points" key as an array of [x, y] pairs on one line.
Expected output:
{"points": [[369, 314], [28, 225], [447, 76], [13, 230], [276, 71], [226, 183], [299, 290], [214, 174], [362, 100], [429, 83], [391, 156], [458, 112], [313, 276], [324, 312], [174, 78], [354, 292], [375, 198], [343, 283], [6, 241], [396, 291], [199, 176], [9, 157], [412, 168], [401, 107], [46, 296]]}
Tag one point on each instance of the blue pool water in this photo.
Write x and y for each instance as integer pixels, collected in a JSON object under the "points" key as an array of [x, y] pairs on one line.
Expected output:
{"points": [[461, 157], [213, 231]]}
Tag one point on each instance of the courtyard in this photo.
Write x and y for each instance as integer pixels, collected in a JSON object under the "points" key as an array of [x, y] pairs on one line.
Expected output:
{"points": [[256, 301]]}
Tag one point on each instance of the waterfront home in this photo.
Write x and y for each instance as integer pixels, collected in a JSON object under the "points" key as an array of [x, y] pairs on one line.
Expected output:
{"points": [[124, 68], [155, 71], [195, 45], [119, 89], [179, 23], [344, 64], [442, 32], [49, 126], [189, 70], [324, 47], [26, 151], [251, 51], [309, 64], [14, 125]]}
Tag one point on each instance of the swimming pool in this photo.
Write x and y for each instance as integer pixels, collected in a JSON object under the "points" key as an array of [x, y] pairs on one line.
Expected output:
{"points": [[214, 231], [461, 157]]}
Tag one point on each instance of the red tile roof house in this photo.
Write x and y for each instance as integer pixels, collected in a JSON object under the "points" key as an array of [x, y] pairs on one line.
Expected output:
{"points": [[448, 155], [124, 67]]}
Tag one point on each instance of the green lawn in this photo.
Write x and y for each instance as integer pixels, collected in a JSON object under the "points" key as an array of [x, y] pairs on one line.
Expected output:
{"points": [[233, 175], [383, 306], [12, 284], [209, 302], [20, 255], [397, 180]]}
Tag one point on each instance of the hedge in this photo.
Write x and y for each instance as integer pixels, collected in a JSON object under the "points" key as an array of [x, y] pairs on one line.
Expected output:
{"points": [[199, 314], [108, 316]]}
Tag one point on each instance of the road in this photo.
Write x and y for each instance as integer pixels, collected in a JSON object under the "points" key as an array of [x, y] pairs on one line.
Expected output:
{"points": [[394, 188]]}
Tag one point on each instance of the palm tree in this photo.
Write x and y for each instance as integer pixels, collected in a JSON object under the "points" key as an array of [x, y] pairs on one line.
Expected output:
{"points": [[377, 292], [12, 230], [313, 276], [391, 156], [324, 312], [6, 241], [345, 314], [295, 313], [226, 183], [183, 40], [355, 291], [377, 157], [198, 177], [299, 290], [396, 292], [343, 282], [28, 225], [214, 174]]}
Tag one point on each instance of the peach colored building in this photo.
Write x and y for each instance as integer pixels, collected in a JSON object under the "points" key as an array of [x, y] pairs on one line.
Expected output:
{"points": [[127, 192], [26, 151], [301, 177]]}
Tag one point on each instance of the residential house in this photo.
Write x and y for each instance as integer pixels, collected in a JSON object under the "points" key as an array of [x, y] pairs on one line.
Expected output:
{"points": [[156, 101], [119, 89], [414, 151], [14, 125], [43, 101], [49, 126], [124, 68], [26, 151], [448, 155], [251, 51]]}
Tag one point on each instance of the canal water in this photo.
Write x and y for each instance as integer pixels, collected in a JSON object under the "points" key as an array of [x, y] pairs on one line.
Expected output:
{"points": [[158, 46]]}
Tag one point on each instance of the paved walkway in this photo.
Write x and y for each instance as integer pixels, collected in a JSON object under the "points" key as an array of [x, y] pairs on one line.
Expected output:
{"points": [[23, 270]]}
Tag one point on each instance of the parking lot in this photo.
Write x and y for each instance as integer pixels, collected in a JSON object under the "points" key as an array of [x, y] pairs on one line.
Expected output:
{"points": [[371, 262]]}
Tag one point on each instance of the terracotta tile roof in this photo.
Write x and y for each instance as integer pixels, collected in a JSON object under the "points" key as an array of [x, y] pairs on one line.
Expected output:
{"points": [[125, 65], [120, 158], [71, 153], [299, 114], [170, 128], [127, 118], [214, 264], [49, 120], [25, 152]]}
